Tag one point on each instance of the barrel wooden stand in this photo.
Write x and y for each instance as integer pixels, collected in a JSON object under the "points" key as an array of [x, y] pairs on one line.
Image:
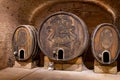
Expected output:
{"points": [[72, 65], [27, 64], [100, 68]]}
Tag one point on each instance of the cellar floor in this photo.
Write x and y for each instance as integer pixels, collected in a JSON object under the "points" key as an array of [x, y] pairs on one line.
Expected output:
{"points": [[44, 74]]}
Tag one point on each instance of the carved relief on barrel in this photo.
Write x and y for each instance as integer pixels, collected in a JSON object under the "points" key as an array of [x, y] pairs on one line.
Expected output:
{"points": [[105, 43], [24, 42], [63, 36]]}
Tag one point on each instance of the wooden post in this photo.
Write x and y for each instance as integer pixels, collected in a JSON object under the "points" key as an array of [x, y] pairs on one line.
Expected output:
{"points": [[72, 65], [100, 68]]}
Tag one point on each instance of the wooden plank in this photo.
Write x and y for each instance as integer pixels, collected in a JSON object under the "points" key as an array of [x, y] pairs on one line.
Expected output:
{"points": [[26, 65], [100, 68], [46, 62], [77, 60], [58, 66], [72, 67]]}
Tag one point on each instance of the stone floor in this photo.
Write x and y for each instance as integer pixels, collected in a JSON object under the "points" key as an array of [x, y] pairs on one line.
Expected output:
{"points": [[44, 74]]}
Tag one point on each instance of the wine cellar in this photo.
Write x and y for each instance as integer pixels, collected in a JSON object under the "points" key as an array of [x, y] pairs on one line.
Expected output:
{"points": [[59, 40]]}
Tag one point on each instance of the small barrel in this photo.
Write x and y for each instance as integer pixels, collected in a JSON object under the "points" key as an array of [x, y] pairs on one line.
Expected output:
{"points": [[63, 36], [24, 42], [105, 43]]}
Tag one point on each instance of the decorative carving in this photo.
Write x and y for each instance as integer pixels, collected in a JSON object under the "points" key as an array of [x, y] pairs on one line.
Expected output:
{"points": [[22, 37], [106, 38], [61, 32]]}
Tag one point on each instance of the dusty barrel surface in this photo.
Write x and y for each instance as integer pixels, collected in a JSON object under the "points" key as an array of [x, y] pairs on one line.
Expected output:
{"points": [[24, 42], [105, 43], [63, 36]]}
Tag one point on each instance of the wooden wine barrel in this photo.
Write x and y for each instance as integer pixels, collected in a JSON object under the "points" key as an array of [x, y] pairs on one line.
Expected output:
{"points": [[24, 42], [105, 43], [63, 36]]}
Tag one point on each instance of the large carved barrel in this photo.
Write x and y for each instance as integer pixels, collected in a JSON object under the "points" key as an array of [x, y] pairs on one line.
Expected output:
{"points": [[24, 42], [105, 43], [63, 36]]}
